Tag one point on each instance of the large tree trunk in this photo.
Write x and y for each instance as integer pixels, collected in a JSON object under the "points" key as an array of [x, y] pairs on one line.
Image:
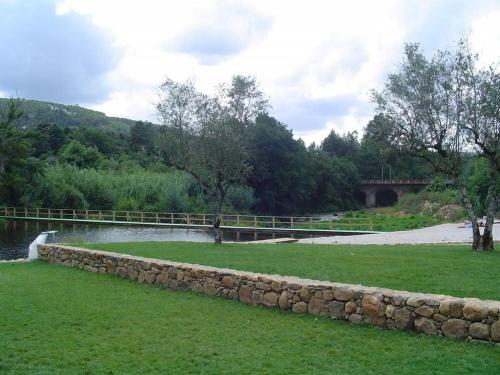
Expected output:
{"points": [[476, 234], [217, 230], [485, 241]]}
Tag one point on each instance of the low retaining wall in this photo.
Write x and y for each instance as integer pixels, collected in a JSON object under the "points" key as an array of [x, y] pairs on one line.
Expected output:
{"points": [[464, 318]]}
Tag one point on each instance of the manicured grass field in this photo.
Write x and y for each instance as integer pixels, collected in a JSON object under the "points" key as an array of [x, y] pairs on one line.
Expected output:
{"points": [[374, 222], [57, 320], [443, 269]]}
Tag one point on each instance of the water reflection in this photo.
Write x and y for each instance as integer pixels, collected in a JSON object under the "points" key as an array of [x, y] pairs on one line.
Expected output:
{"points": [[16, 236]]}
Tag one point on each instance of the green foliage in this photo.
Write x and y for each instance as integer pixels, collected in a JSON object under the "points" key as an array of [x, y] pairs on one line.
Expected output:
{"points": [[479, 183], [72, 116], [71, 187], [381, 220], [142, 137], [15, 164], [412, 202], [346, 146], [79, 155], [241, 198]]}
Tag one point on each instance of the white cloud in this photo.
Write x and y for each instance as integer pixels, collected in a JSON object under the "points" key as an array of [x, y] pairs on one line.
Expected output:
{"points": [[304, 54]]}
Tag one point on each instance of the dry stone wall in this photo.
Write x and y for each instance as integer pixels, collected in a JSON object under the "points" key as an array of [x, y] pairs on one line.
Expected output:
{"points": [[461, 318]]}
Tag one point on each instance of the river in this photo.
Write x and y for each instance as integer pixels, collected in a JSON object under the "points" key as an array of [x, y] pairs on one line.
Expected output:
{"points": [[16, 236]]}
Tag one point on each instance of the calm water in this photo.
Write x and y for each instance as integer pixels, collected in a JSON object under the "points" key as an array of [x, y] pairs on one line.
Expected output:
{"points": [[16, 236]]}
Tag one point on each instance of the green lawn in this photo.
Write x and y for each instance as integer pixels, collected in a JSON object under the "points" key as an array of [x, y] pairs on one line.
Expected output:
{"points": [[376, 222], [444, 269], [57, 320]]}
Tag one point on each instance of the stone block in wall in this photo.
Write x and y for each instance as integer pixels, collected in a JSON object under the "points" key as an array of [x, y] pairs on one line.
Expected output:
{"points": [[257, 296], [245, 294], [455, 328], [495, 331], [350, 307], [475, 311], [228, 282], [425, 311], [337, 310], [299, 307], [403, 318], [210, 289], [415, 301], [372, 305], [425, 325], [270, 299], [262, 286], [343, 294], [276, 286], [283, 301], [452, 308], [479, 331], [317, 306], [356, 318], [305, 294]]}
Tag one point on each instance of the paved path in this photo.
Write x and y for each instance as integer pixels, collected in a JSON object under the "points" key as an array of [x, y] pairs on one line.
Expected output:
{"points": [[444, 233]]}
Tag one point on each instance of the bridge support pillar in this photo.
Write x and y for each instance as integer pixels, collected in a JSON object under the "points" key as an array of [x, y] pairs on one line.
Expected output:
{"points": [[370, 198]]}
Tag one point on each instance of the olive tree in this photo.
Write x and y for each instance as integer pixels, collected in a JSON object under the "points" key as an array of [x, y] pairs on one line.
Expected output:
{"points": [[205, 135], [442, 109]]}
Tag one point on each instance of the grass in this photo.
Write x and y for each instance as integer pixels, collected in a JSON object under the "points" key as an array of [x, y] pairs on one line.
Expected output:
{"points": [[57, 320], [376, 222], [443, 269]]}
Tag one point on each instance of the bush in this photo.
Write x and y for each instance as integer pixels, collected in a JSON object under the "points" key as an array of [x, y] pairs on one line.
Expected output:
{"points": [[67, 186]]}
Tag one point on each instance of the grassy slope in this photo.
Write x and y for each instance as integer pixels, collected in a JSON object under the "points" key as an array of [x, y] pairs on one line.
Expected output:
{"points": [[442, 269], [57, 320]]}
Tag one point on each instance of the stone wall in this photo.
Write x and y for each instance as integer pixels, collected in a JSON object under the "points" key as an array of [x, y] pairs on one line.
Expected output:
{"points": [[463, 318]]}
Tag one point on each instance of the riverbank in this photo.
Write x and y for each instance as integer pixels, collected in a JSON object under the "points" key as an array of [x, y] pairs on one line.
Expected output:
{"points": [[438, 234]]}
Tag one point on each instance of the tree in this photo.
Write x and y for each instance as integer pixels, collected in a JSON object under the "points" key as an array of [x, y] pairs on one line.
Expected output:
{"points": [[80, 155], [279, 168], [443, 108], [346, 145], [205, 136], [14, 152], [142, 136], [378, 154]]}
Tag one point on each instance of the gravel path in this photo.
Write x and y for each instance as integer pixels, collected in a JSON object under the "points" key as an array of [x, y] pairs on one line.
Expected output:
{"points": [[444, 233]]}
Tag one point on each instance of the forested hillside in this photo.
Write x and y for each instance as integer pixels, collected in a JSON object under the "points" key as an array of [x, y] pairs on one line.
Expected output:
{"points": [[36, 112]]}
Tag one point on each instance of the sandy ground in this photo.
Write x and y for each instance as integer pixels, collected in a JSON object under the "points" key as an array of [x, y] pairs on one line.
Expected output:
{"points": [[444, 233]]}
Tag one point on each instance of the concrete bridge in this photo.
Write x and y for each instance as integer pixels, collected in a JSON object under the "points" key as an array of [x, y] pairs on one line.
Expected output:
{"points": [[387, 192]]}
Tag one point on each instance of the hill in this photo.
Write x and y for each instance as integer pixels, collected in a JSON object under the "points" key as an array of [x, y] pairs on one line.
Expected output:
{"points": [[71, 116]]}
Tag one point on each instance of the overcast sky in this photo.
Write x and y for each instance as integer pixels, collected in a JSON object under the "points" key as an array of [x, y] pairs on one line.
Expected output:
{"points": [[316, 60]]}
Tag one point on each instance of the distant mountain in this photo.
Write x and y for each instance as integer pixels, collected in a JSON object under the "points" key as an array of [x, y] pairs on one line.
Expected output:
{"points": [[72, 116]]}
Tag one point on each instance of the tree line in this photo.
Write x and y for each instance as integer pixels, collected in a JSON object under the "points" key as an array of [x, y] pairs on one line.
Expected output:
{"points": [[282, 175], [436, 117]]}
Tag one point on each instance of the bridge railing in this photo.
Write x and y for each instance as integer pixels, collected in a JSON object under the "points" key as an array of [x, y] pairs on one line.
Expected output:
{"points": [[150, 217], [395, 182]]}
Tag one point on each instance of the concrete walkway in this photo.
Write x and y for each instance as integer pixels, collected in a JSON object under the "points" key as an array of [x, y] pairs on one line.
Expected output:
{"points": [[444, 233]]}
